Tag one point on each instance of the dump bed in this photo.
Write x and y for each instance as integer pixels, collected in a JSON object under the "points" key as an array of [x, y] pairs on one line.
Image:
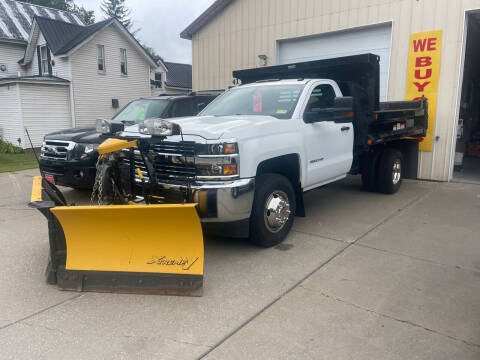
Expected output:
{"points": [[398, 119]]}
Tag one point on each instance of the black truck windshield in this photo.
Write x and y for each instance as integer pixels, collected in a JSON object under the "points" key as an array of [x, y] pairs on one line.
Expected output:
{"points": [[273, 100], [140, 110]]}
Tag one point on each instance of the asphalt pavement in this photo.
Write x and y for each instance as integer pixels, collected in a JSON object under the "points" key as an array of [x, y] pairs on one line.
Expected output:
{"points": [[363, 276]]}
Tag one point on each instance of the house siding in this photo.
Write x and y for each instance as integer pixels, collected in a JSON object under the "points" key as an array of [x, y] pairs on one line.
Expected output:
{"points": [[93, 91], [248, 28], [10, 114], [45, 109], [9, 55]]}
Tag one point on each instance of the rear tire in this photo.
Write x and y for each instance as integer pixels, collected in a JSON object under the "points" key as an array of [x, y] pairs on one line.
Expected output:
{"points": [[273, 210], [390, 170]]}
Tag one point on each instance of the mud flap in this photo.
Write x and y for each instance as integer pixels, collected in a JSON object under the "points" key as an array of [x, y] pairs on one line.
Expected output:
{"points": [[148, 249]]}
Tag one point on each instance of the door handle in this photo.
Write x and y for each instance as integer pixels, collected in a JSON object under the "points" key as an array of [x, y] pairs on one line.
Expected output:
{"points": [[345, 128]]}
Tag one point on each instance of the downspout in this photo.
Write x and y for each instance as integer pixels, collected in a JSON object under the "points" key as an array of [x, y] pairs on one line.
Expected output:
{"points": [[20, 109], [72, 95]]}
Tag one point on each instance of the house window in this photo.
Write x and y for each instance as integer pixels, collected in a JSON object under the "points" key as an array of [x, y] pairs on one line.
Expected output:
{"points": [[158, 80], [123, 61], [44, 59], [101, 58]]}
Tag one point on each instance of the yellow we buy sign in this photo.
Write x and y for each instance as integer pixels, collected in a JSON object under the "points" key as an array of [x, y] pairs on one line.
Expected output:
{"points": [[423, 75]]}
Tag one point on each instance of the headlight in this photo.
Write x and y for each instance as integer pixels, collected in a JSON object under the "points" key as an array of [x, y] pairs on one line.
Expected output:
{"points": [[89, 148], [81, 151], [215, 170], [159, 127], [230, 148], [106, 127]]}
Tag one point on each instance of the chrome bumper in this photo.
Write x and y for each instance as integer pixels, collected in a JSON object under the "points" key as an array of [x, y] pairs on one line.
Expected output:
{"points": [[221, 201]]}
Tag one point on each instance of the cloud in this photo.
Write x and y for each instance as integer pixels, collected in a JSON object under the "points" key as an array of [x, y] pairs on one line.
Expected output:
{"points": [[160, 23]]}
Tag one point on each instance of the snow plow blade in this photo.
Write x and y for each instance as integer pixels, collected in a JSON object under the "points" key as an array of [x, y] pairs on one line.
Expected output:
{"points": [[147, 249]]}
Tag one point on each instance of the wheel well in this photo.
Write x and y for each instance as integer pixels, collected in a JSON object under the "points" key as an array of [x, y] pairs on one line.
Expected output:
{"points": [[288, 166]]}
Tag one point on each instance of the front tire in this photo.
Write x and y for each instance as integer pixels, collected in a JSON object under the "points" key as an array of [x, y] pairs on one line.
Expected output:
{"points": [[273, 210]]}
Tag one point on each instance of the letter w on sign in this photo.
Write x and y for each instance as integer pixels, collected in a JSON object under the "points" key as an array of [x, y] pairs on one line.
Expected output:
{"points": [[423, 75]]}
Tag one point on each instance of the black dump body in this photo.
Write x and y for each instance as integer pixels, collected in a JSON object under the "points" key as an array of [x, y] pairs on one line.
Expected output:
{"points": [[358, 76]]}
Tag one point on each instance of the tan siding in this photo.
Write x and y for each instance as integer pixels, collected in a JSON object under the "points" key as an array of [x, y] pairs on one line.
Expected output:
{"points": [[252, 27], [9, 55], [45, 109], [10, 115], [93, 92]]}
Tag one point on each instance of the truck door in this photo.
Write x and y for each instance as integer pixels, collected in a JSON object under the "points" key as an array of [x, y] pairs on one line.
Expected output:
{"points": [[329, 146]]}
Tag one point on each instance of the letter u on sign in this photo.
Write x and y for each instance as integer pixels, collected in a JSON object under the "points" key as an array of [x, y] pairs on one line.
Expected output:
{"points": [[423, 75]]}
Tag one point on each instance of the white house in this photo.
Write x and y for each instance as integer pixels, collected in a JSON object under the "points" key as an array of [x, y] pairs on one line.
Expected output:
{"points": [[57, 73], [170, 78]]}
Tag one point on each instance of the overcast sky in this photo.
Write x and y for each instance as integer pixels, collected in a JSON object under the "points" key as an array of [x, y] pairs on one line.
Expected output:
{"points": [[160, 23]]}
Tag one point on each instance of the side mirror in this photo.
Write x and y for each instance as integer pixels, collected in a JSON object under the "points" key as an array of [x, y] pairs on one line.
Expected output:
{"points": [[201, 106], [317, 115], [343, 110]]}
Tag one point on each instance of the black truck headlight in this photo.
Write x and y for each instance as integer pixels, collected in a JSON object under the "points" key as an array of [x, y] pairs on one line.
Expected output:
{"points": [[81, 151], [159, 127], [108, 127]]}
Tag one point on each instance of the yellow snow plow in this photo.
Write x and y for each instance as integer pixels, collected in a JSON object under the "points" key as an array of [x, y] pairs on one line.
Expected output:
{"points": [[126, 247]]}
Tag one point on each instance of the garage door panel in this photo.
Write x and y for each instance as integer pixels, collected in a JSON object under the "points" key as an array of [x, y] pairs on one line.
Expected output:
{"points": [[45, 108], [375, 40]]}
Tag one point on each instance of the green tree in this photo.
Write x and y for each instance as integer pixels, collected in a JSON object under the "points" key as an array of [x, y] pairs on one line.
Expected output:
{"points": [[152, 52], [87, 16], [117, 9]]}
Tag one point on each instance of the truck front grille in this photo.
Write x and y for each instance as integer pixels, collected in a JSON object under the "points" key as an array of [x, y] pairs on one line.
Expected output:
{"points": [[172, 162], [56, 149]]}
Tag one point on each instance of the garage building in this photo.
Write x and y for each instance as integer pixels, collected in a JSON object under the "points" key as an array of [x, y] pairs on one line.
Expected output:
{"points": [[238, 34]]}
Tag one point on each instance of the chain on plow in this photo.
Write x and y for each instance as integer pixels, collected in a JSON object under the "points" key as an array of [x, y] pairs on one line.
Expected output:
{"points": [[97, 191]]}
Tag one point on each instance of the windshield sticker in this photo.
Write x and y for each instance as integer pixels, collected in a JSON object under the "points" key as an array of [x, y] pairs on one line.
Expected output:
{"points": [[257, 103], [281, 111]]}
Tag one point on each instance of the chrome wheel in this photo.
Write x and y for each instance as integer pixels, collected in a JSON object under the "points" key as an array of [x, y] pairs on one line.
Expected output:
{"points": [[396, 171], [277, 211]]}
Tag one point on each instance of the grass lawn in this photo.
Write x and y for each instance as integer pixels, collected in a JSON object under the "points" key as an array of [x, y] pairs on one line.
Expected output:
{"points": [[15, 162]]}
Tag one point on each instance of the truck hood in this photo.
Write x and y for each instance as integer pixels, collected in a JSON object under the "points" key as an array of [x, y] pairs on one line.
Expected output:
{"points": [[79, 135], [216, 127]]}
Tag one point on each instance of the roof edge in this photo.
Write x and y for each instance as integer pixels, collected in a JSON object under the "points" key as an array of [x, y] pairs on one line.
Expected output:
{"points": [[204, 18]]}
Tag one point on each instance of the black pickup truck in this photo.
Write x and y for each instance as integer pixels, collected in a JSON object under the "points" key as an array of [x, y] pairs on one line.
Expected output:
{"points": [[68, 157]]}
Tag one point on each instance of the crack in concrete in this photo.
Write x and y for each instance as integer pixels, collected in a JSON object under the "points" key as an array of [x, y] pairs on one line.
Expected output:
{"points": [[43, 327], [320, 266], [40, 312], [189, 343], [321, 236], [418, 258], [408, 322]]}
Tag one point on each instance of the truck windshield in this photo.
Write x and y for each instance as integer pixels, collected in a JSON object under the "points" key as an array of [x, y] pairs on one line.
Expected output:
{"points": [[139, 110], [273, 100]]}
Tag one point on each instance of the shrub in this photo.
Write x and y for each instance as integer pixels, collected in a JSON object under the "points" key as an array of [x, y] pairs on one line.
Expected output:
{"points": [[8, 148]]}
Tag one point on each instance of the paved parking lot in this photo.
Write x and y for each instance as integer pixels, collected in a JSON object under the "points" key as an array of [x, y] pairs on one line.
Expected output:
{"points": [[364, 276]]}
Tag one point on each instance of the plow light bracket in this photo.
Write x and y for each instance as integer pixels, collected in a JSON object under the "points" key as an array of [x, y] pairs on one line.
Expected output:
{"points": [[159, 127], [108, 127]]}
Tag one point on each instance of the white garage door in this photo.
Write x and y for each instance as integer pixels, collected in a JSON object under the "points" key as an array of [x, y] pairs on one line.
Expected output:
{"points": [[45, 108], [374, 39]]}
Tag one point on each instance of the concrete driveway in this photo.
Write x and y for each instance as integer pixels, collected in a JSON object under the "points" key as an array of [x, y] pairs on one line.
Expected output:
{"points": [[364, 276]]}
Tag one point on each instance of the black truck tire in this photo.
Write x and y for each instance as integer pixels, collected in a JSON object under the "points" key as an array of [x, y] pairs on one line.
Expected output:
{"points": [[273, 210], [389, 177]]}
